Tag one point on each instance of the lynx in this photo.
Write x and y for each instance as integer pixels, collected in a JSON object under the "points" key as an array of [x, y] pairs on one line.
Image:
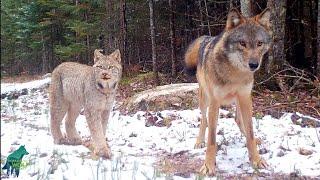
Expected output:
{"points": [[76, 86]]}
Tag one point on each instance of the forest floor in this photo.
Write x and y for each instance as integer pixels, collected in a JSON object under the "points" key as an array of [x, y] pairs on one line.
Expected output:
{"points": [[159, 144]]}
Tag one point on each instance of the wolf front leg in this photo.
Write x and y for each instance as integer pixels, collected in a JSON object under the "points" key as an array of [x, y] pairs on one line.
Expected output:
{"points": [[99, 143], [245, 104], [210, 160]]}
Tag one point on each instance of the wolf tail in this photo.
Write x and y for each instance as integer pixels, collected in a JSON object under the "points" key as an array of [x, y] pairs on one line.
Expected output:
{"points": [[191, 57]]}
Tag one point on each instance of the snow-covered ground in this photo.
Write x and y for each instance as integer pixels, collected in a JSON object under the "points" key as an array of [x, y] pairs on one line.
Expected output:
{"points": [[137, 148]]}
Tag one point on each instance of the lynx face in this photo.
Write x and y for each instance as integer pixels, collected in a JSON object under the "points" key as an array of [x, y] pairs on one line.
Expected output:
{"points": [[107, 70]]}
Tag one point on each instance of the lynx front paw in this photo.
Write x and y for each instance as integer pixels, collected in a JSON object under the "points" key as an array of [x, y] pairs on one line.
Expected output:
{"points": [[208, 169], [103, 152], [199, 145], [74, 141], [61, 140], [259, 163]]}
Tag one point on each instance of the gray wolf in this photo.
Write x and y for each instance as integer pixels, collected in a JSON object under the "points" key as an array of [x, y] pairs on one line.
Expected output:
{"points": [[224, 67], [75, 86]]}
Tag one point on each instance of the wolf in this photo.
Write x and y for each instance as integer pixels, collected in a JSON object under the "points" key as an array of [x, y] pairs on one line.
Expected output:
{"points": [[14, 160], [224, 66], [75, 86]]}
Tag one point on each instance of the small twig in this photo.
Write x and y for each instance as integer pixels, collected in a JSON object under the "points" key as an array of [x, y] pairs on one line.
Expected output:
{"points": [[282, 104], [271, 76], [317, 134], [293, 86], [318, 113]]}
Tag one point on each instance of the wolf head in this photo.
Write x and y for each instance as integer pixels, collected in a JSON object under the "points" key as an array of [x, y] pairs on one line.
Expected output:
{"points": [[22, 150], [107, 70], [246, 40]]}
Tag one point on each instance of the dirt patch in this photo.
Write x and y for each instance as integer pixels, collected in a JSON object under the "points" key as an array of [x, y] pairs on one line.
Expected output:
{"points": [[180, 164]]}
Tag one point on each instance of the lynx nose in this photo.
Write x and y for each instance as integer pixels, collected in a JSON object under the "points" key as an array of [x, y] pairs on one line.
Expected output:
{"points": [[253, 66], [105, 76]]}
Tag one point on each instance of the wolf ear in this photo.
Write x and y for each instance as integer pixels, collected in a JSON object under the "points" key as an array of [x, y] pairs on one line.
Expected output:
{"points": [[234, 19], [98, 54], [264, 18], [116, 55]]}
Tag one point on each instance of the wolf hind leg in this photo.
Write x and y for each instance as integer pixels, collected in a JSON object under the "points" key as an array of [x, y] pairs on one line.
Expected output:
{"points": [[73, 137], [200, 143]]}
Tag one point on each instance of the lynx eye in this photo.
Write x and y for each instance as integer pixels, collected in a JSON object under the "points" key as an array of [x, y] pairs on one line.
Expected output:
{"points": [[259, 43], [110, 67], [243, 44]]}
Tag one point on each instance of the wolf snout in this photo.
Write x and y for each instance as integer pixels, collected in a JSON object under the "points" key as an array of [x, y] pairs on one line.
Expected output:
{"points": [[253, 65]]}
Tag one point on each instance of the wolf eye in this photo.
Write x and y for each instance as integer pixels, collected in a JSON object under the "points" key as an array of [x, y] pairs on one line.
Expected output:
{"points": [[259, 43], [242, 43]]}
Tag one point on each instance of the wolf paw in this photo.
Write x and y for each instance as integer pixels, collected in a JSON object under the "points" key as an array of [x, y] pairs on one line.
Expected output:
{"points": [[199, 145], [208, 169], [260, 163]]}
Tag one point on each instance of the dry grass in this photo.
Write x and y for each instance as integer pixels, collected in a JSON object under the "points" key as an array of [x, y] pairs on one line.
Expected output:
{"points": [[20, 78]]}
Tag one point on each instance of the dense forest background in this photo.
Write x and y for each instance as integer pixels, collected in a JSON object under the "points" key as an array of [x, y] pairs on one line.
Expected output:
{"points": [[37, 35]]}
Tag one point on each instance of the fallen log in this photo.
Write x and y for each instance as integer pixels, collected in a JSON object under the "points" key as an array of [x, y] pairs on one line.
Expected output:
{"points": [[172, 96]]}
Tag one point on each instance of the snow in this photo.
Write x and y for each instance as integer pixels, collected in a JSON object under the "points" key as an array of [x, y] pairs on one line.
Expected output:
{"points": [[135, 147], [7, 87]]}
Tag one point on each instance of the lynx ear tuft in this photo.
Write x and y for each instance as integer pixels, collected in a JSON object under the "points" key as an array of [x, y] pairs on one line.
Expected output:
{"points": [[116, 55], [98, 54], [234, 19], [264, 18]]}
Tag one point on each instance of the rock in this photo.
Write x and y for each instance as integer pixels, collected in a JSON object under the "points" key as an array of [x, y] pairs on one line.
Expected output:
{"points": [[263, 151], [280, 154], [24, 91], [305, 152]]}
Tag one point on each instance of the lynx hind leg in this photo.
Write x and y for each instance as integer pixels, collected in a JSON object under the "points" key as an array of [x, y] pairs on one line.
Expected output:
{"points": [[200, 143], [58, 109], [72, 135]]}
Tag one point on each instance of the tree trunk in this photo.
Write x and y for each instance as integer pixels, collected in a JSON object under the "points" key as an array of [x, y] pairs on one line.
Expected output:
{"points": [[278, 16], [173, 40], [208, 21], [88, 54], [246, 8], [153, 43], [318, 64], [109, 28], [45, 65], [123, 33], [77, 55], [233, 4], [201, 17]]}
